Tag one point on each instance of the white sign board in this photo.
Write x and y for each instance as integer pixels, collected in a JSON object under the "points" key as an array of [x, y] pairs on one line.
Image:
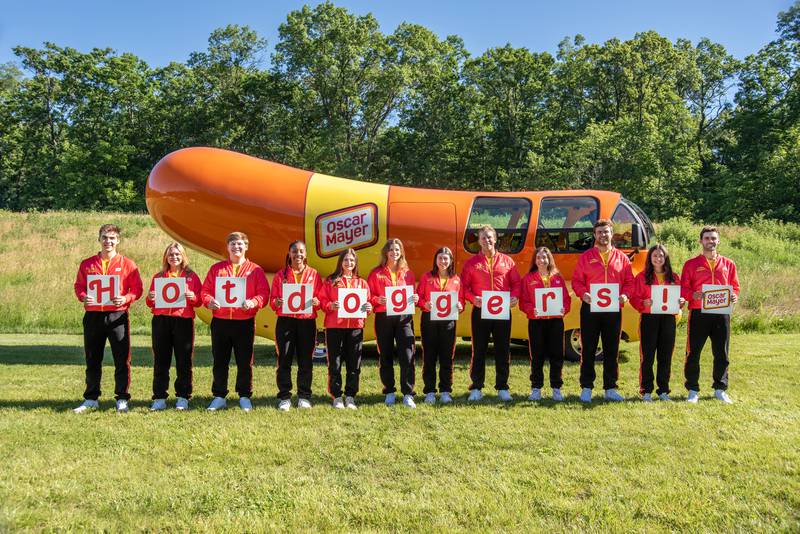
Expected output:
{"points": [[399, 300], [548, 301], [495, 305], [102, 288], [444, 305], [170, 292], [230, 291], [666, 299], [717, 299], [351, 303], [297, 299], [605, 297]]}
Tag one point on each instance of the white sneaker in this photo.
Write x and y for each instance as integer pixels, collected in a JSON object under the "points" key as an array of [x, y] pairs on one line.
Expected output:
{"points": [[504, 395], [647, 397], [586, 395], [219, 403], [475, 395], [557, 396], [245, 404], [338, 403], [122, 406], [614, 396], [181, 404], [720, 394], [350, 403], [665, 397], [86, 406], [693, 397], [430, 398], [303, 404], [390, 398], [284, 405], [445, 397], [158, 405], [408, 401], [536, 394]]}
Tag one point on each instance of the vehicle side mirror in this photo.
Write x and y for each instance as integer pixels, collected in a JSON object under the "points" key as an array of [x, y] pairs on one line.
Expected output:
{"points": [[638, 239]]}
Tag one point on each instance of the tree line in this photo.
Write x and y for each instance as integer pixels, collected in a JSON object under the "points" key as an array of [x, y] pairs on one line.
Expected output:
{"points": [[681, 128]]}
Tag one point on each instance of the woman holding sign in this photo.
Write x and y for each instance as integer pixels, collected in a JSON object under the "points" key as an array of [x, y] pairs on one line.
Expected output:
{"points": [[345, 299], [392, 287], [441, 299], [234, 290], [173, 296], [294, 299], [545, 300], [653, 297]]}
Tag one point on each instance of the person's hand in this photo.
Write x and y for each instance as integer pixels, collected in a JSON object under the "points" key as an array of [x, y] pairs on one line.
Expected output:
{"points": [[414, 298], [381, 300], [278, 301], [315, 301], [681, 302], [368, 307], [563, 311], [460, 307], [335, 304], [514, 301], [734, 298], [189, 295], [647, 303], [152, 295], [248, 304], [622, 300], [213, 304], [478, 301], [118, 301], [697, 295], [587, 298], [88, 299], [427, 307]]}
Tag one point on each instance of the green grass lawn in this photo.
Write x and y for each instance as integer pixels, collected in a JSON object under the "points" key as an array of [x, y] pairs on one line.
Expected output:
{"points": [[524, 467]]}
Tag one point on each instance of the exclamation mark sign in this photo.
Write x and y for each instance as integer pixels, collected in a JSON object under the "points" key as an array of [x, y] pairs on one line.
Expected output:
{"points": [[664, 300]]}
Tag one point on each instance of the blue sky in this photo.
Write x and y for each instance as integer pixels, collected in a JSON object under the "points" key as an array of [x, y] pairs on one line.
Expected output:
{"points": [[164, 31]]}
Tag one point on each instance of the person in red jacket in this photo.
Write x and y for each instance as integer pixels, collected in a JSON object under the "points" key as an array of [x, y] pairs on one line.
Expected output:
{"points": [[173, 330], [344, 337], [489, 270], [233, 328], [295, 333], [601, 264], [656, 331], [393, 333], [107, 318], [709, 267], [438, 337], [545, 333]]}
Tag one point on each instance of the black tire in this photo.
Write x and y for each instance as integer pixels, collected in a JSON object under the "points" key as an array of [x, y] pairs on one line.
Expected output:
{"points": [[572, 347]]}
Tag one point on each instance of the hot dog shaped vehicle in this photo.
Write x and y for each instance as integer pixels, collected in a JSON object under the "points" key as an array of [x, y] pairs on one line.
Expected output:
{"points": [[199, 195]]}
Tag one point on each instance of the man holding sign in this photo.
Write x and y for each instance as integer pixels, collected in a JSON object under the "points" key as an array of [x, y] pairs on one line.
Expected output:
{"points": [[603, 280], [545, 300], [492, 284], [709, 269], [107, 284], [234, 290]]}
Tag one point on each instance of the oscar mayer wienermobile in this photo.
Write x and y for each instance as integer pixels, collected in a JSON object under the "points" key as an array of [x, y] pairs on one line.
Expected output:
{"points": [[199, 195]]}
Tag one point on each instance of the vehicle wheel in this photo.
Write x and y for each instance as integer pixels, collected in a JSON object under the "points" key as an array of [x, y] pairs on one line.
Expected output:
{"points": [[572, 347]]}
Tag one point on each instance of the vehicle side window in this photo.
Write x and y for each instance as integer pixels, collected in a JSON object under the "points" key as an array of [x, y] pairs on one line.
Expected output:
{"points": [[508, 216], [623, 220], [565, 223]]}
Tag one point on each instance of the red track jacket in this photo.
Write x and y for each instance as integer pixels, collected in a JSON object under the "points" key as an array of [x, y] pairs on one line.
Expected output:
{"points": [[696, 272], [310, 276], [192, 284], [329, 294], [256, 288], [590, 270], [380, 278], [641, 291], [430, 282], [130, 281], [533, 281], [476, 278]]}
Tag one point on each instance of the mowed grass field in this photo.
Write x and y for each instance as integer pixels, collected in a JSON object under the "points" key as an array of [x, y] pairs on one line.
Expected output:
{"points": [[522, 467]]}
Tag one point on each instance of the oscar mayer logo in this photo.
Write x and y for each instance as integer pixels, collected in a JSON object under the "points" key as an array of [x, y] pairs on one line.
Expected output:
{"points": [[353, 227], [716, 299]]}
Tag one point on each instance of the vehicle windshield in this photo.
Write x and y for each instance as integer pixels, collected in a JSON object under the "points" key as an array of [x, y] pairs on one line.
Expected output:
{"points": [[565, 223]]}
